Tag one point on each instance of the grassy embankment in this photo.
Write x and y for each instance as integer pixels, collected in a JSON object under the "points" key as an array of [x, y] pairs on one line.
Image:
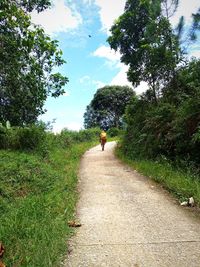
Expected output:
{"points": [[183, 183], [37, 198]]}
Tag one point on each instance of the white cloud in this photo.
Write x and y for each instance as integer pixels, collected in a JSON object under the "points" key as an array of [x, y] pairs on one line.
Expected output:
{"points": [[87, 80], [193, 50], [185, 8], [75, 126], [194, 53], [63, 120], [112, 57], [107, 53], [87, 2], [59, 18], [109, 11], [141, 88], [57, 128], [121, 79], [98, 84]]}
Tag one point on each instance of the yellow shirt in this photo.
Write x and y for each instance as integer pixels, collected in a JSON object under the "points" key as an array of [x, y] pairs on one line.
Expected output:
{"points": [[103, 135]]}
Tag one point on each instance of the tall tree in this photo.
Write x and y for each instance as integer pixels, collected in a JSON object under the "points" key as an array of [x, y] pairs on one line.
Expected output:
{"points": [[107, 107], [144, 37], [27, 59]]}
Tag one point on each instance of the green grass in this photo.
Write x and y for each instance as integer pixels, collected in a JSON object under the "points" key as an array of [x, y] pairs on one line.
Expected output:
{"points": [[181, 183], [37, 198]]}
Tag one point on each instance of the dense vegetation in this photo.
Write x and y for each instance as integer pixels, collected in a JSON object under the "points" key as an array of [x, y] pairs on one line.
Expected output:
{"points": [[170, 127], [107, 107], [38, 192], [165, 120]]}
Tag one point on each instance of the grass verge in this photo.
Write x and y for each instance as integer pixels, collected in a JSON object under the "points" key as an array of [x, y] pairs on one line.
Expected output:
{"points": [[181, 183], [37, 198]]}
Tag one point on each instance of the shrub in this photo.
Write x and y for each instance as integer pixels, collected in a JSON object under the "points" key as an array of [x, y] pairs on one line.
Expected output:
{"points": [[29, 138], [88, 135], [36, 138], [32, 137], [114, 132], [3, 135], [9, 138], [67, 137]]}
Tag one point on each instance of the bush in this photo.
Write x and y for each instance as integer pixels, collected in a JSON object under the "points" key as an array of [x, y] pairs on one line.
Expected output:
{"points": [[36, 138], [32, 138], [114, 132], [2, 136], [67, 137], [9, 138], [88, 135]]}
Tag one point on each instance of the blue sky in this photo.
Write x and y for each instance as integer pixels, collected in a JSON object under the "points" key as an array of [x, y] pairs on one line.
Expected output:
{"points": [[90, 62]]}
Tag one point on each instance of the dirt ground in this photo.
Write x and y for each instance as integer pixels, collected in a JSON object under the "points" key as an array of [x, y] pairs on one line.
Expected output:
{"points": [[128, 220]]}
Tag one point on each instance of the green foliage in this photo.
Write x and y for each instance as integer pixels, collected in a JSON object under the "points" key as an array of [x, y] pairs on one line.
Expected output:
{"points": [[32, 138], [88, 135], [107, 107], [68, 137], [171, 127], [145, 39], [114, 132], [38, 5], [23, 174], [27, 59]]}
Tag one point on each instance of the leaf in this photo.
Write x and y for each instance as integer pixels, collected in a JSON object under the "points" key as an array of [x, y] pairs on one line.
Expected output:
{"points": [[73, 224], [2, 250]]}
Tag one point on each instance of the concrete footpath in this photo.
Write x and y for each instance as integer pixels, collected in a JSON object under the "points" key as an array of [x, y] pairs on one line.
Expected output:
{"points": [[128, 220]]}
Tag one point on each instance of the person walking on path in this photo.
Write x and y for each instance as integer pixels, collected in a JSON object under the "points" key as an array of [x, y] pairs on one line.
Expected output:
{"points": [[103, 139]]}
